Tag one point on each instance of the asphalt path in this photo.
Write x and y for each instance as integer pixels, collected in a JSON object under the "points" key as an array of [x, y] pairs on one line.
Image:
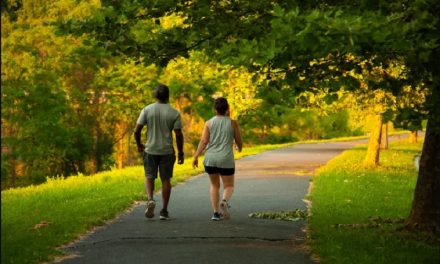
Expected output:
{"points": [[275, 180]]}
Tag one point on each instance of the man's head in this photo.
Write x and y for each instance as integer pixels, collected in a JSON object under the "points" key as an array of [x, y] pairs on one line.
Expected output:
{"points": [[221, 105], [162, 93]]}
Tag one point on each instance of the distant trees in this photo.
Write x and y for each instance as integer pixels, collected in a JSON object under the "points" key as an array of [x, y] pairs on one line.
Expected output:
{"points": [[63, 97], [36, 134]]}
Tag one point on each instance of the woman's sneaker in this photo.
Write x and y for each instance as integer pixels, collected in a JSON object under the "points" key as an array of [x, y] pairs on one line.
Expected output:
{"points": [[149, 213], [216, 217], [224, 207]]}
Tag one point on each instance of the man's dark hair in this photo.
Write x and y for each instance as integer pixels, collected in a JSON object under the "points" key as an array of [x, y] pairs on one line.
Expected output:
{"points": [[162, 93], [221, 105]]}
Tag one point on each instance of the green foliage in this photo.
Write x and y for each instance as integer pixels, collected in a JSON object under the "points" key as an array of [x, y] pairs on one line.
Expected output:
{"points": [[311, 124], [62, 95], [33, 104], [101, 59], [356, 212]]}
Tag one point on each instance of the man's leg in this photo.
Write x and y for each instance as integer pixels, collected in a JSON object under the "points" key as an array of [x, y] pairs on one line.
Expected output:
{"points": [[150, 166], [151, 204], [166, 166], [166, 192], [149, 188]]}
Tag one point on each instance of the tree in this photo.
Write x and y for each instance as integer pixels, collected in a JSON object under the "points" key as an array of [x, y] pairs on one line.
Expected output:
{"points": [[378, 103], [34, 134], [124, 87], [288, 36], [195, 81], [60, 93]]}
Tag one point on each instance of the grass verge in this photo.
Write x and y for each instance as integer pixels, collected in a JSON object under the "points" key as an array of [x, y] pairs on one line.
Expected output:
{"points": [[356, 211], [35, 220]]}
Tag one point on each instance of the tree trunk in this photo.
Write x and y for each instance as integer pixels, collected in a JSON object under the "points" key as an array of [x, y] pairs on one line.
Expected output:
{"points": [[8, 131], [384, 137], [13, 165], [425, 212], [120, 147], [372, 157], [95, 163], [413, 137]]}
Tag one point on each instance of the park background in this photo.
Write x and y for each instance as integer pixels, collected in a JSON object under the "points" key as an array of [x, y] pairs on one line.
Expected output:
{"points": [[75, 75]]}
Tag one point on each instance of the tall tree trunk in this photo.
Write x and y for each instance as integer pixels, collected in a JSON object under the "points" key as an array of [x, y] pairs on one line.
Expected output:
{"points": [[120, 147], [8, 131], [372, 157], [93, 163], [413, 137], [425, 212], [384, 136], [97, 132], [13, 172]]}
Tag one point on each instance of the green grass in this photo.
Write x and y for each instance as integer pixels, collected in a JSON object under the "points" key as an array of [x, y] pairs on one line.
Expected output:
{"points": [[344, 198], [72, 206]]}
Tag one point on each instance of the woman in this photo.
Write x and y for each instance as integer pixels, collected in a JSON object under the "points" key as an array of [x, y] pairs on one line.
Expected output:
{"points": [[218, 136]]}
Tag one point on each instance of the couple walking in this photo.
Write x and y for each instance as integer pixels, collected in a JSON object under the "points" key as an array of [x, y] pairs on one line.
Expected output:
{"points": [[218, 136]]}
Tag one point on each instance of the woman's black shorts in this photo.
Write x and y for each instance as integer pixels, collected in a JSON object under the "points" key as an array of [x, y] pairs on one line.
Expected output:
{"points": [[221, 171]]}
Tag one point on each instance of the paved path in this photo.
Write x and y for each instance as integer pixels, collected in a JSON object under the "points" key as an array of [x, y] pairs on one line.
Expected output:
{"points": [[272, 181]]}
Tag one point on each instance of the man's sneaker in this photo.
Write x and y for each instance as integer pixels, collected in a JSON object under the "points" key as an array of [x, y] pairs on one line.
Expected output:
{"points": [[164, 214], [216, 217], [224, 207], [149, 213]]}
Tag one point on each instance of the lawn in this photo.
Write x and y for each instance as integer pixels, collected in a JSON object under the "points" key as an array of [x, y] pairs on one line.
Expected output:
{"points": [[356, 211], [35, 220]]}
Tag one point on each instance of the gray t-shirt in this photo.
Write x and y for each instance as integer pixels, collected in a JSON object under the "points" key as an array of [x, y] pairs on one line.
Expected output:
{"points": [[219, 151], [161, 120]]}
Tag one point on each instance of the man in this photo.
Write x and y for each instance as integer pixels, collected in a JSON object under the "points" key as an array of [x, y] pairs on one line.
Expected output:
{"points": [[158, 153]]}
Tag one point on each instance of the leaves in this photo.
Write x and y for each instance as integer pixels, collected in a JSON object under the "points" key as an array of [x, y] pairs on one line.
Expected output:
{"points": [[41, 225], [295, 215], [374, 222]]}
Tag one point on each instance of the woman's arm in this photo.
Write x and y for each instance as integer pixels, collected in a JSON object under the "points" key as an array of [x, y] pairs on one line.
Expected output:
{"points": [[237, 136], [202, 145]]}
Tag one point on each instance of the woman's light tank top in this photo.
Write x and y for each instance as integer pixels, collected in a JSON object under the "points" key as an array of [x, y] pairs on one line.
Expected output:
{"points": [[219, 151]]}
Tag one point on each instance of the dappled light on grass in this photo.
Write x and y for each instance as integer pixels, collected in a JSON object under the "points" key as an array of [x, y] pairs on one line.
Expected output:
{"points": [[357, 211]]}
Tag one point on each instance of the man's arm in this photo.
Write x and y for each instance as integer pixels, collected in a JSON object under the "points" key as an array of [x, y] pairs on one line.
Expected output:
{"points": [[179, 142], [137, 137]]}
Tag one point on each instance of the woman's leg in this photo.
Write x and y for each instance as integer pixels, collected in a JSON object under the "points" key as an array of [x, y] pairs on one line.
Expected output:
{"points": [[215, 191], [228, 189], [228, 186]]}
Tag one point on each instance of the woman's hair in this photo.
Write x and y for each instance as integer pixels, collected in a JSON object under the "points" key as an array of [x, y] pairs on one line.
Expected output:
{"points": [[162, 93], [221, 105]]}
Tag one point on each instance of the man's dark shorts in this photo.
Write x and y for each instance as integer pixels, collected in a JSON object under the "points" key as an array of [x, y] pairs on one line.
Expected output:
{"points": [[221, 171], [164, 164]]}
